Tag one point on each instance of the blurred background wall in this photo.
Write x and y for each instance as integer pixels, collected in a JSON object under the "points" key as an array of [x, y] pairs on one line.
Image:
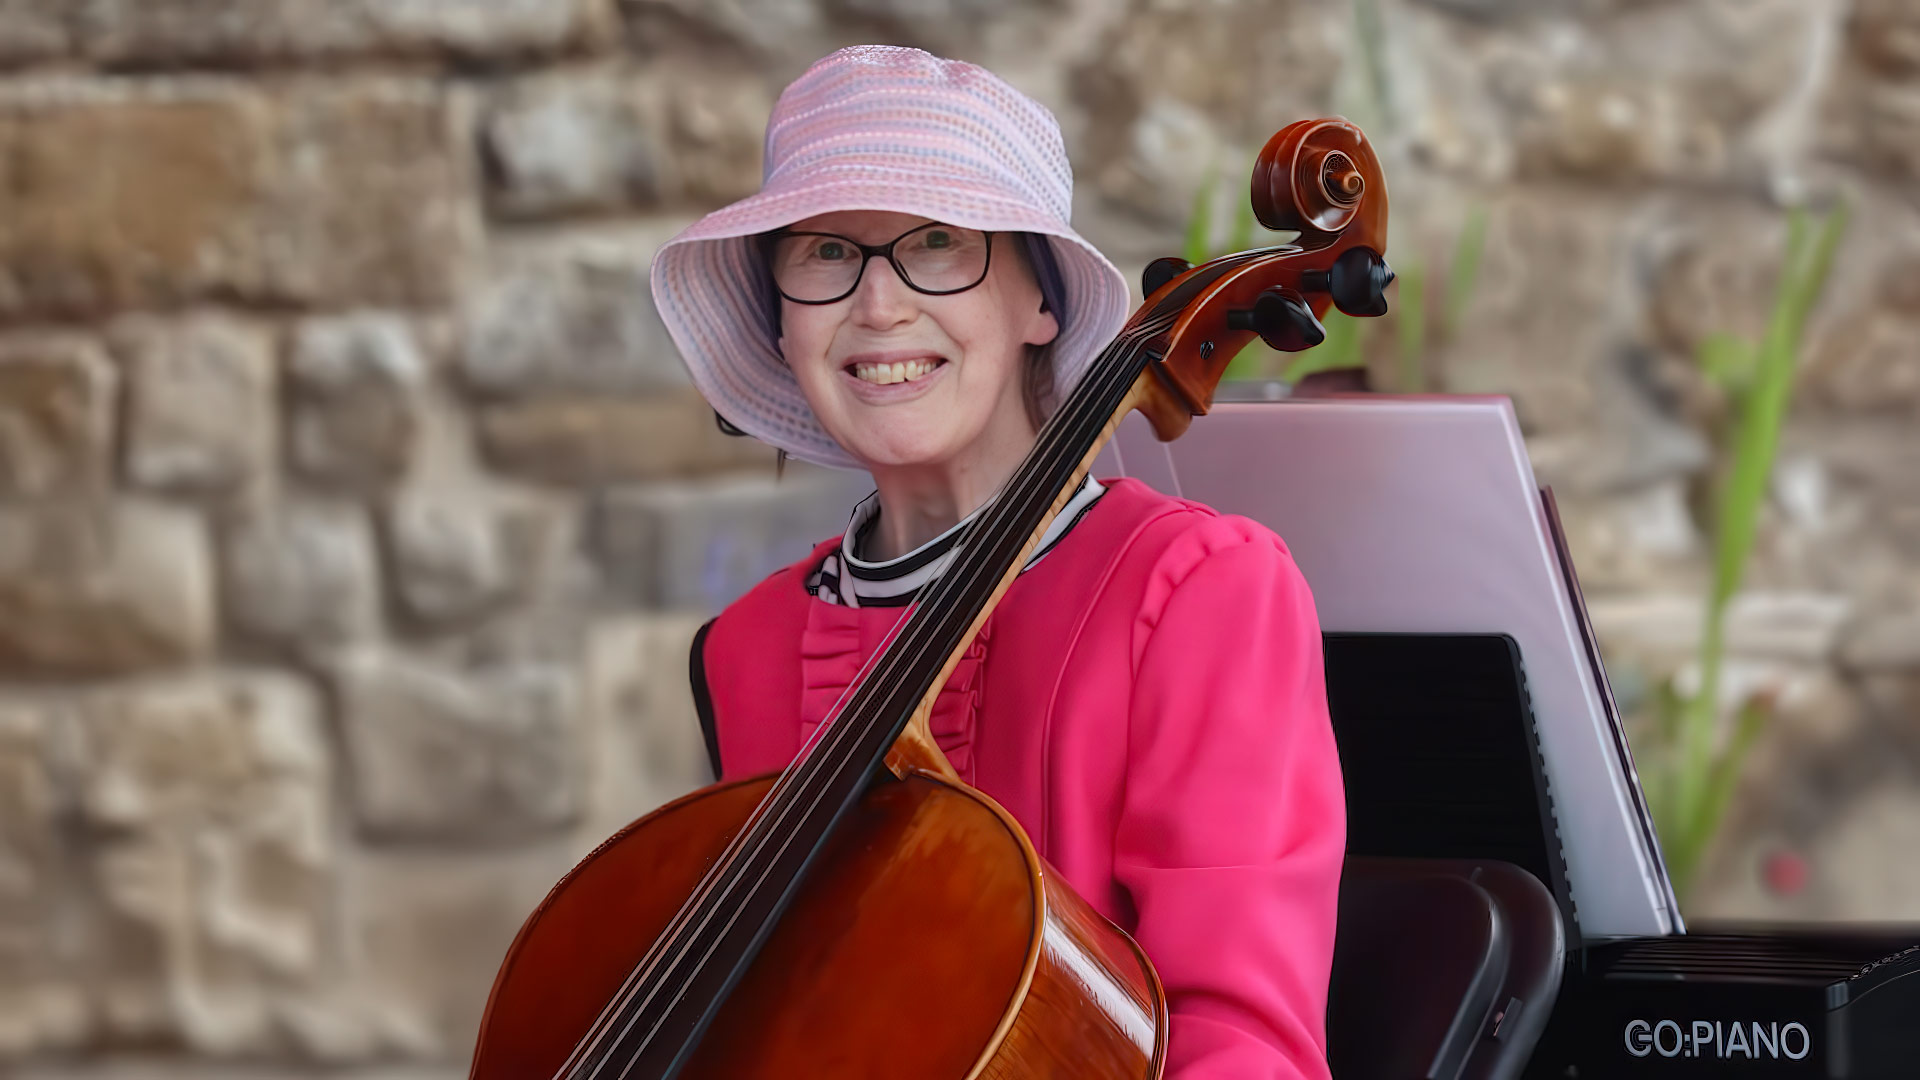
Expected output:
{"points": [[355, 514]]}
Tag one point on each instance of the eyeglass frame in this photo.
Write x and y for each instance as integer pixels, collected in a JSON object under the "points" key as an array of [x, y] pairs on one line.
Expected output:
{"points": [[867, 254]]}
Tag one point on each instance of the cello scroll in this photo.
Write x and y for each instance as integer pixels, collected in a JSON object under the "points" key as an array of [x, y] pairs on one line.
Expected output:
{"points": [[1319, 178]]}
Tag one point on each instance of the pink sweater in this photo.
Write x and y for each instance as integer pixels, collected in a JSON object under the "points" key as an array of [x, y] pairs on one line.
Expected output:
{"points": [[1148, 702]]}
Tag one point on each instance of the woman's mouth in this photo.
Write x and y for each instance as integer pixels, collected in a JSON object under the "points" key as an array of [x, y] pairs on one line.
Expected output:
{"points": [[882, 380], [899, 371]]}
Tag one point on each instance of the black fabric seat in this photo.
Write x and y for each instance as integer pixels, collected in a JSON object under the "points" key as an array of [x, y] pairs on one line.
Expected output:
{"points": [[1443, 969]]}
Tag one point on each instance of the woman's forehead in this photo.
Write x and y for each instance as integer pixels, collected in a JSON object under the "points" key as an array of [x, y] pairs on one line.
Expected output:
{"points": [[866, 226]]}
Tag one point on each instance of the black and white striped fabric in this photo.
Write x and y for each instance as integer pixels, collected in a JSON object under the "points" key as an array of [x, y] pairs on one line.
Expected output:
{"points": [[844, 578]]}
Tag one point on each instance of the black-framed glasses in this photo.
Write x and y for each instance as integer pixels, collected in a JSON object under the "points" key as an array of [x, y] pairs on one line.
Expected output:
{"points": [[825, 268]]}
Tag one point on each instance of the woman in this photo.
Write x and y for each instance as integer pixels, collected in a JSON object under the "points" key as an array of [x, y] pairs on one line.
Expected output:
{"points": [[905, 296]]}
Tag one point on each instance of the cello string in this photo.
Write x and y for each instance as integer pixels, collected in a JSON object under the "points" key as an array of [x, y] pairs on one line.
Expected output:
{"points": [[841, 729], [1116, 364]]}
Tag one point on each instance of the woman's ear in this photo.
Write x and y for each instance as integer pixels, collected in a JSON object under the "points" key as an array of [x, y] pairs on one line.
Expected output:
{"points": [[1042, 327]]}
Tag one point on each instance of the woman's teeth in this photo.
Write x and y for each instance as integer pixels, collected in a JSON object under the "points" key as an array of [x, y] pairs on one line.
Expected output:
{"points": [[904, 371]]}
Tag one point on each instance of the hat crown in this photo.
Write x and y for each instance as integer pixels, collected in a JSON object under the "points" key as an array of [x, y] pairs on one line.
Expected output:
{"points": [[866, 109]]}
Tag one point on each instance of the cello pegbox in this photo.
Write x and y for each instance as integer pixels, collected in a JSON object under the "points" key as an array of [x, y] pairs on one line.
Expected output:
{"points": [[1319, 178]]}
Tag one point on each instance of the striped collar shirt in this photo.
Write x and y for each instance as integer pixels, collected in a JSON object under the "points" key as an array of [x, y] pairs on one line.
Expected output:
{"points": [[846, 579]]}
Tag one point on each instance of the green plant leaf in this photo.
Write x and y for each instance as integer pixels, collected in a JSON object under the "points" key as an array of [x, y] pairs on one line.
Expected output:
{"points": [[1751, 717], [1464, 275], [1698, 781], [1764, 406], [1252, 362], [1240, 237], [1199, 241], [1411, 321], [1696, 834], [1728, 361]]}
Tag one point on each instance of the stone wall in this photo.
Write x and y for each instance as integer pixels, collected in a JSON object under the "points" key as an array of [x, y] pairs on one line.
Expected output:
{"points": [[355, 514]]}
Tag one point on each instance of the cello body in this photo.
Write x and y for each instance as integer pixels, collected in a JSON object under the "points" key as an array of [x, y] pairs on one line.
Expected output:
{"points": [[928, 902]]}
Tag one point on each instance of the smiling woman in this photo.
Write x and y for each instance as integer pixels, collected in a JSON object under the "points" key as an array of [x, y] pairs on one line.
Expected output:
{"points": [[916, 366], [905, 296]]}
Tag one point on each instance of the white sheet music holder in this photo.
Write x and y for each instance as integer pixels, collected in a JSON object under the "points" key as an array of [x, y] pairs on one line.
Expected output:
{"points": [[1421, 514]]}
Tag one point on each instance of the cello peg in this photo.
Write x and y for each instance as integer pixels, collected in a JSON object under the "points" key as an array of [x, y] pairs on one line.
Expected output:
{"points": [[1359, 282], [1282, 319], [1161, 271]]}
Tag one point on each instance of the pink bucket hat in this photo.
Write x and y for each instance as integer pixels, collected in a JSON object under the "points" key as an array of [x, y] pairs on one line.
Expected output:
{"points": [[877, 127]]}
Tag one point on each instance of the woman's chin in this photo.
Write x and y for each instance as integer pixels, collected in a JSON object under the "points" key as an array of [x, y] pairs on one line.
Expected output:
{"points": [[906, 454], [902, 446]]}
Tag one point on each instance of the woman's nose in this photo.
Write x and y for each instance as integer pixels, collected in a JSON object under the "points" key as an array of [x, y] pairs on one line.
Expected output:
{"points": [[882, 300]]}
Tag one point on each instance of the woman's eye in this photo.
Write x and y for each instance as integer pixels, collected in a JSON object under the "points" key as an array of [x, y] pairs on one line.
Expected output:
{"points": [[832, 251], [939, 238]]}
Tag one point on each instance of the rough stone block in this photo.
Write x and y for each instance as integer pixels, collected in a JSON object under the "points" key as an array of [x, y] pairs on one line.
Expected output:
{"points": [[1618, 127], [672, 133], [56, 415], [598, 440], [1162, 83], [321, 193], [1628, 447], [33, 30], [702, 546], [558, 145], [201, 411], [762, 29], [440, 754], [459, 555], [1889, 130], [569, 313], [370, 195], [1632, 540], [1889, 642], [301, 576], [1886, 34], [254, 31], [209, 798], [432, 927], [42, 1001], [645, 735], [1869, 363], [1797, 627], [1547, 288], [1714, 95], [356, 383], [102, 589]]}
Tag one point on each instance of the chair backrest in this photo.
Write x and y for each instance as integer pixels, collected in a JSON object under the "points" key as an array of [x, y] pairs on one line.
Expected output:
{"points": [[1443, 969]]}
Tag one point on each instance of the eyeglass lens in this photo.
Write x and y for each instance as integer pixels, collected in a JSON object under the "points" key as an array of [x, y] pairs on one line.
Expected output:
{"points": [[934, 258]]}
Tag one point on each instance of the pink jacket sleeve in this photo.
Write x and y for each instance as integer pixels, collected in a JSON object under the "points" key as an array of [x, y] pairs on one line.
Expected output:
{"points": [[1233, 825]]}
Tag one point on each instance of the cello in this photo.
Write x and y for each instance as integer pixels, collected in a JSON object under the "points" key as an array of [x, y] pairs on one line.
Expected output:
{"points": [[780, 926]]}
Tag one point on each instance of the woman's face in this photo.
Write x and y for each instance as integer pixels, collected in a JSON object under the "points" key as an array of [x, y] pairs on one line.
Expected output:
{"points": [[901, 378]]}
